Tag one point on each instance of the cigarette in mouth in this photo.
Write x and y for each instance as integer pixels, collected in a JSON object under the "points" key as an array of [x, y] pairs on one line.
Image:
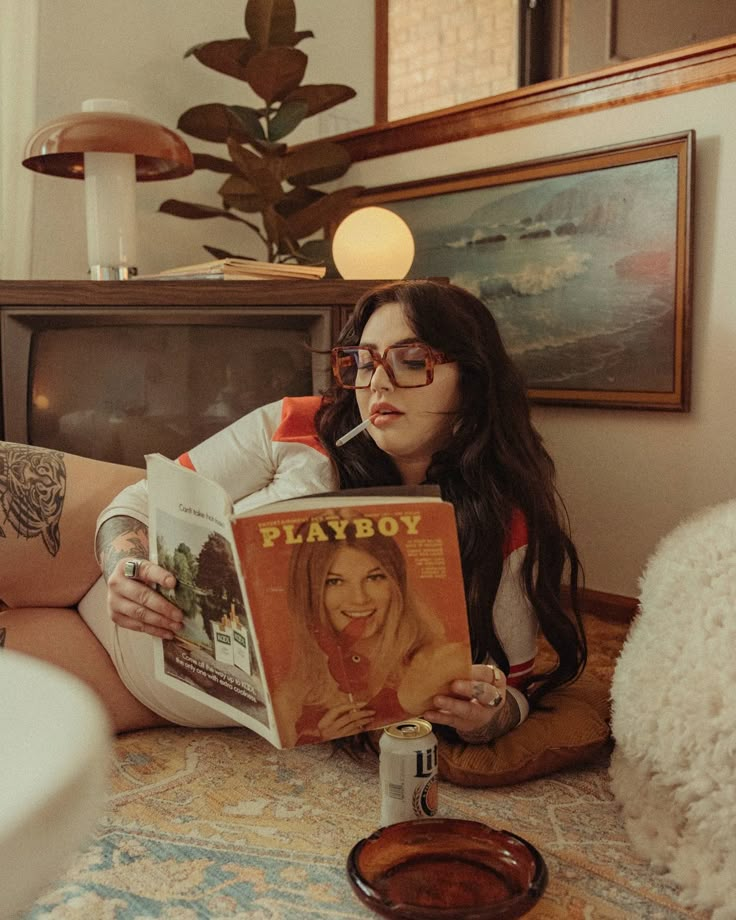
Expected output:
{"points": [[349, 435]]}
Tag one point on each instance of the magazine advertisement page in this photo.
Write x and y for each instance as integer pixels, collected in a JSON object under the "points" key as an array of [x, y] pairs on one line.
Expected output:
{"points": [[215, 658], [359, 608]]}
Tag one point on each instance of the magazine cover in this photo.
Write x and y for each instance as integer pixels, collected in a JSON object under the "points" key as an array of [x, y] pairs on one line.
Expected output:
{"points": [[314, 618], [359, 610]]}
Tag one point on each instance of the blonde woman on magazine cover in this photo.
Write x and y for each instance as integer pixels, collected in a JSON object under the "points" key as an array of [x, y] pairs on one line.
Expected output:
{"points": [[366, 653]]}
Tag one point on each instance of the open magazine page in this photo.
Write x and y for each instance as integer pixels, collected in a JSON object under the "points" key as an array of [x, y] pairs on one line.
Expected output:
{"points": [[215, 659], [359, 608]]}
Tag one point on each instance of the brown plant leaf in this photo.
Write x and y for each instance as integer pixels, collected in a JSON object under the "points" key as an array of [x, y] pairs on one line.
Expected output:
{"points": [[298, 198], [196, 211], [311, 164], [262, 173], [277, 232], [229, 56], [320, 96], [300, 36], [212, 121], [237, 185], [218, 253], [240, 194], [213, 163], [249, 120], [248, 205], [287, 247], [320, 214], [271, 22], [275, 72], [268, 148], [319, 252]]}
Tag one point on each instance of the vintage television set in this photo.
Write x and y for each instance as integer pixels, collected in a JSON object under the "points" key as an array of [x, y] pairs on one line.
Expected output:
{"points": [[115, 370]]}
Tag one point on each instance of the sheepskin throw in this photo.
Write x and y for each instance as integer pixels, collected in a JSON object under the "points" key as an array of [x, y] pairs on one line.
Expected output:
{"points": [[673, 697]]}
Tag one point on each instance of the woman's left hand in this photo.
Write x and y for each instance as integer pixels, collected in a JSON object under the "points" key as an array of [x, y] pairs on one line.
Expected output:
{"points": [[477, 707]]}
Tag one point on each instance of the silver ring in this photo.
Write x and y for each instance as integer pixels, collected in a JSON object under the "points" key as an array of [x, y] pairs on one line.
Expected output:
{"points": [[130, 569], [496, 701]]}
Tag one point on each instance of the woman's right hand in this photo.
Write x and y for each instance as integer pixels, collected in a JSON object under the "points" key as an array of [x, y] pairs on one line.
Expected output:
{"points": [[135, 603], [344, 719]]}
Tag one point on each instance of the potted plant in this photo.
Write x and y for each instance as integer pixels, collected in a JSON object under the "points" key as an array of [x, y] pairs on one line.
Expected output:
{"points": [[264, 176]]}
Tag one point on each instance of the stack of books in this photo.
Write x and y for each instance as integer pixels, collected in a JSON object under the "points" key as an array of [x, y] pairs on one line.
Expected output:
{"points": [[238, 270]]}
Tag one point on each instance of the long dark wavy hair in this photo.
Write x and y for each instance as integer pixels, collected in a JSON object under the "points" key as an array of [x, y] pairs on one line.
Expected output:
{"points": [[494, 463]]}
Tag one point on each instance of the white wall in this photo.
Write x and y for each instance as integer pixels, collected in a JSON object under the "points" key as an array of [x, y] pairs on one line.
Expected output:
{"points": [[135, 51], [627, 477], [18, 56]]}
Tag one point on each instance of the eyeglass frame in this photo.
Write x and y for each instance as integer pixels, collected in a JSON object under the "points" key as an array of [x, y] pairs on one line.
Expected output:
{"points": [[434, 358]]}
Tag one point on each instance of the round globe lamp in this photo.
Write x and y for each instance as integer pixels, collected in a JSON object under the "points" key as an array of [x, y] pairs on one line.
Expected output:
{"points": [[373, 243]]}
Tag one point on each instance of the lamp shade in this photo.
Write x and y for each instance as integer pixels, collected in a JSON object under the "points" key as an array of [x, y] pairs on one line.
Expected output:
{"points": [[373, 242], [58, 147]]}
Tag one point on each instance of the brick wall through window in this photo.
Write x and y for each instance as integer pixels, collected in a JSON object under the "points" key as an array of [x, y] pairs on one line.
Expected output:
{"points": [[445, 52]]}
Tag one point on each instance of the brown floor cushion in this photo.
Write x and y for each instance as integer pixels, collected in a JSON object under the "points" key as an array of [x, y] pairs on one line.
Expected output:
{"points": [[572, 731]]}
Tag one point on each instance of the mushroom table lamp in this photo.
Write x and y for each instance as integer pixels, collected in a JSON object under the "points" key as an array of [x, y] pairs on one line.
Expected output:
{"points": [[110, 149]]}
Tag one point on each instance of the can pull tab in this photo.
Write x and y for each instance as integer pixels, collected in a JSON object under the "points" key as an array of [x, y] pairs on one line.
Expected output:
{"points": [[412, 729]]}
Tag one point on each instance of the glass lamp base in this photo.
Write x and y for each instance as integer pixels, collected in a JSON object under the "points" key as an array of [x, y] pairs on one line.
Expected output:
{"points": [[112, 272]]}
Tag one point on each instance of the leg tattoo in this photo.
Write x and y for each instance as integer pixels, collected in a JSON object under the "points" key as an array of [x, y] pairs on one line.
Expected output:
{"points": [[32, 490]]}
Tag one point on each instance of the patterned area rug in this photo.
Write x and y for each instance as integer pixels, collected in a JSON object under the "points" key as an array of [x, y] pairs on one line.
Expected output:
{"points": [[218, 824]]}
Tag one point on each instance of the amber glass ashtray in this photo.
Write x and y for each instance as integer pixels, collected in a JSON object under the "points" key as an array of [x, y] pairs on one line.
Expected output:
{"points": [[434, 868]]}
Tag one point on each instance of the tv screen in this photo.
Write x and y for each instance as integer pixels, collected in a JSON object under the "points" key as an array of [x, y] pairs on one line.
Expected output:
{"points": [[116, 370], [118, 392]]}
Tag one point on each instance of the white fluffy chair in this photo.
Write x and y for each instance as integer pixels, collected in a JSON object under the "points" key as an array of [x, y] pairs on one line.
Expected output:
{"points": [[673, 697]]}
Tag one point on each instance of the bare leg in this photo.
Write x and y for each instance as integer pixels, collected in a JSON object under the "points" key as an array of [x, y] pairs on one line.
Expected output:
{"points": [[60, 636]]}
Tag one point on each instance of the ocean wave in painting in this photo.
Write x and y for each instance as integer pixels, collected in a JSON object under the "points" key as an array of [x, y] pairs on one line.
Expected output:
{"points": [[535, 278], [524, 278]]}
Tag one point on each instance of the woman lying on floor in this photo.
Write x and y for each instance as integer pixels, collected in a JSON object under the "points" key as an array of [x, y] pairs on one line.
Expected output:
{"points": [[425, 362]]}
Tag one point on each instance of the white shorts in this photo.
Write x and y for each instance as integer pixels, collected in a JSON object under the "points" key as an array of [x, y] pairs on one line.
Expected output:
{"points": [[132, 654]]}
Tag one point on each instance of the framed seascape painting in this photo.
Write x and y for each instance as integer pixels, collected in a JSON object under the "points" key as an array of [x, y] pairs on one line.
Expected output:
{"points": [[584, 260]]}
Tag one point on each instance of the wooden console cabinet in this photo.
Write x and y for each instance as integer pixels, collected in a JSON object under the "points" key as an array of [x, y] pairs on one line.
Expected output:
{"points": [[113, 370]]}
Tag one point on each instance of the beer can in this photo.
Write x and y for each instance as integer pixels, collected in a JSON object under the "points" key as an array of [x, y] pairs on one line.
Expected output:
{"points": [[407, 771]]}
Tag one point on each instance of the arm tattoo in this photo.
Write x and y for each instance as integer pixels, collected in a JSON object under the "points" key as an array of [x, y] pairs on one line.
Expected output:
{"points": [[118, 538], [2, 636], [508, 717], [32, 490]]}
